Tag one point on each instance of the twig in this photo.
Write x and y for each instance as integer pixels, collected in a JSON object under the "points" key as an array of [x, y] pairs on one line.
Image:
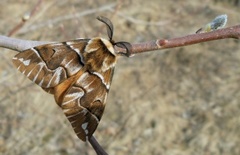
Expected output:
{"points": [[18, 44], [67, 17], [99, 150], [229, 32], [138, 21], [24, 19]]}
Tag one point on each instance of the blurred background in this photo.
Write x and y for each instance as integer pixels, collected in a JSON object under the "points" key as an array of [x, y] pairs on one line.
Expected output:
{"points": [[181, 101]]}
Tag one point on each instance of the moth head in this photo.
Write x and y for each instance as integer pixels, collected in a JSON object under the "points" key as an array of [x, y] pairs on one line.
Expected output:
{"points": [[122, 44]]}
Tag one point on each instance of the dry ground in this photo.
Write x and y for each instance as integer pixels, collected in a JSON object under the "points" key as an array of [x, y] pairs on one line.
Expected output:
{"points": [[182, 101]]}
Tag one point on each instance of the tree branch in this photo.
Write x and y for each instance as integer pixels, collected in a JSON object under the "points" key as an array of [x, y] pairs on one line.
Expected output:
{"points": [[99, 150], [24, 19], [229, 32], [19, 44]]}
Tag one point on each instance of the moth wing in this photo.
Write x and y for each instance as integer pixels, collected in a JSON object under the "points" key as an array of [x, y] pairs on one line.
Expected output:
{"points": [[48, 65], [84, 102]]}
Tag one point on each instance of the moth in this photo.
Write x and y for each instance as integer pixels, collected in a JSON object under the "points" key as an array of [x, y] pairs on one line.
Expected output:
{"points": [[78, 73]]}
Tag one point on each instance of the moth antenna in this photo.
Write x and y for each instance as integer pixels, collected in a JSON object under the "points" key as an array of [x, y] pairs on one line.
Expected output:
{"points": [[109, 26], [126, 45]]}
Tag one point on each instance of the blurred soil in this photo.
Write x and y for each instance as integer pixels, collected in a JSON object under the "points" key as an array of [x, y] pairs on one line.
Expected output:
{"points": [[181, 101]]}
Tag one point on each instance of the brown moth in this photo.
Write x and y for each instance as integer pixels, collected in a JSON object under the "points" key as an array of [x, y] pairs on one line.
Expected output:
{"points": [[78, 73]]}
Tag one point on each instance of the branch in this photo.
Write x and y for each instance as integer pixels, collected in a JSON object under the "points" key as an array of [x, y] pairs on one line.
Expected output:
{"points": [[159, 44], [19, 44], [24, 19], [99, 150]]}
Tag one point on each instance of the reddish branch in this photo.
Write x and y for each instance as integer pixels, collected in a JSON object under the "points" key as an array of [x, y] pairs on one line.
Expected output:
{"points": [[229, 32]]}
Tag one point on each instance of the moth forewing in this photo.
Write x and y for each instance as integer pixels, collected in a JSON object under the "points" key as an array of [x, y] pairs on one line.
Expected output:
{"points": [[51, 64]]}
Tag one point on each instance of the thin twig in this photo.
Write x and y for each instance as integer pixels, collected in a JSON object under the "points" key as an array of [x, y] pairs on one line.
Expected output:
{"points": [[138, 21], [66, 17], [24, 20], [229, 32], [99, 150]]}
